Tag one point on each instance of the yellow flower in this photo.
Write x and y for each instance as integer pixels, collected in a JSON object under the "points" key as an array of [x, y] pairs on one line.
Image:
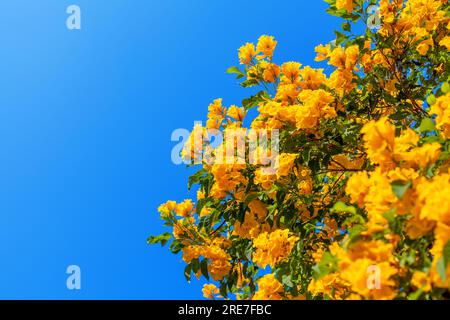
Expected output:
{"points": [[357, 187], [205, 212], [219, 268], [445, 42], [264, 179], [351, 56], [271, 72], [403, 145], [269, 288], [254, 221], [343, 161], [379, 139], [287, 93], [424, 46], [332, 285], [247, 53], [426, 154], [227, 175], [312, 78], [266, 45], [291, 71], [421, 281], [323, 52], [433, 205], [337, 58], [209, 290], [344, 58], [194, 146], [236, 113], [416, 227], [368, 268], [216, 114], [258, 208], [185, 208], [316, 105], [167, 208], [285, 162], [359, 274], [271, 248], [191, 252], [341, 80], [200, 195], [442, 110], [345, 4], [218, 260]]}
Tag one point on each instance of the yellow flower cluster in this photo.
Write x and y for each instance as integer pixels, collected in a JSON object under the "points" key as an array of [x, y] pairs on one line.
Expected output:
{"points": [[355, 205], [219, 261], [316, 105], [228, 177], [366, 270], [345, 4], [284, 164], [266, 45], [442, 112], [269, 288], [254, 221], [195, 146], [433, 206], [271, 248], [413, 22], [210, 291], [385, 149], [182, 209]]}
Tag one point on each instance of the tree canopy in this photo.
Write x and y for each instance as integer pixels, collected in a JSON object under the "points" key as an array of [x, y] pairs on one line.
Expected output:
{"points": [[358, 203]]}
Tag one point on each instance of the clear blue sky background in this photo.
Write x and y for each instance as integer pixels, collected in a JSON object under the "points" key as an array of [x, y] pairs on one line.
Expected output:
{"points": [[85, 124]]}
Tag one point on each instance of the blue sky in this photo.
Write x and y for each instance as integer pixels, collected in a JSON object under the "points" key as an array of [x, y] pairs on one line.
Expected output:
{"points": [[85, 123]]}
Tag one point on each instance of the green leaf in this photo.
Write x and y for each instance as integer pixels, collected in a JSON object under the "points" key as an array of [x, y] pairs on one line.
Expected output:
{"points": [[204, 268], [445, 87], [354, 234], [342, 207], [415, 295], [249, 83], [306, 155], [195, 178], [340, 37], [175, 246], [235, 70], [327, 265], [253, 101], [187, 272], [162, 238], [250, 197], [223, 290], [390, 216], [399, 188], [346, 26], [427, 124]]}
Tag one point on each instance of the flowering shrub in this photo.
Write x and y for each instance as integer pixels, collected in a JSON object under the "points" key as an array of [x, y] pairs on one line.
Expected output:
{"points": [[359, 204]]}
